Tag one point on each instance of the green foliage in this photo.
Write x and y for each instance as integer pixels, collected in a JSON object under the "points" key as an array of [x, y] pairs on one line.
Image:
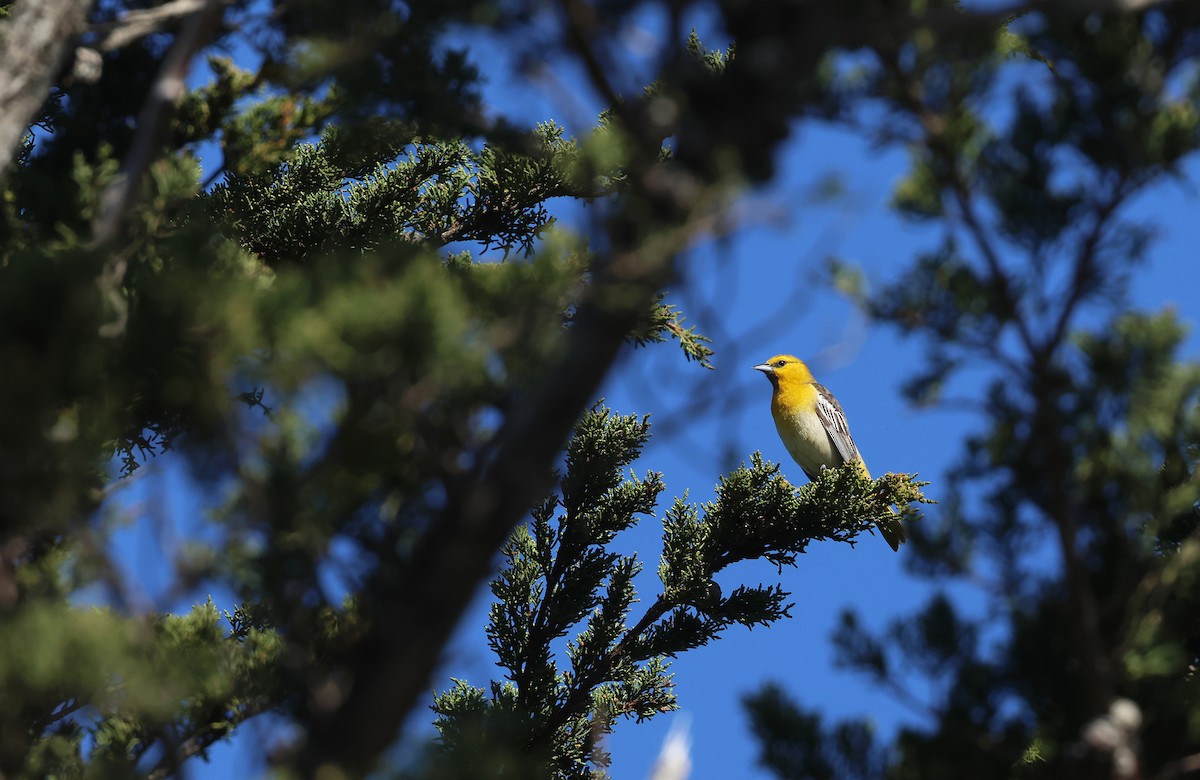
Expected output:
{"points": [[436, 193], [559, 578], [713, 60], [138, 677], [262, 133], [666, 321]]}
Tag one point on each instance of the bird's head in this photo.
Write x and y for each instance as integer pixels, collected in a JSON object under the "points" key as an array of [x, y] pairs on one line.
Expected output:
{"points": [[787, 369]]}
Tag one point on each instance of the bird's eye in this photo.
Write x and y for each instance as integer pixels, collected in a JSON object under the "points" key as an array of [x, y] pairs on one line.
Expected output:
{"points": [[780, 363]]}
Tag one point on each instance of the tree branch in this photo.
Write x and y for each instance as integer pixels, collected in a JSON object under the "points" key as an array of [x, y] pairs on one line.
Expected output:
{"points": [[32, 44], [1180, 768], [203, 737], [1084, 267], [412, 611], [153, 120], [582, 692], [142, 22]]}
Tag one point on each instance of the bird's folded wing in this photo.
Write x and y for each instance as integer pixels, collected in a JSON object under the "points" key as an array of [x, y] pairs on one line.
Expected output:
{"points": [[829, 411]]}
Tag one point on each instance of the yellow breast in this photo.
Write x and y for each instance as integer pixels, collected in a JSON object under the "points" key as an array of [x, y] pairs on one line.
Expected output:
{"points": [[793, 408]]}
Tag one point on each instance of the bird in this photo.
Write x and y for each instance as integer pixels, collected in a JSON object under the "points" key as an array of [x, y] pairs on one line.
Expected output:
{"points": [[813, 427]]}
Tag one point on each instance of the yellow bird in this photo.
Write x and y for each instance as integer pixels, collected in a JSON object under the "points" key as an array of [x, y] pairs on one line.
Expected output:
{"points": [[813, 427]]}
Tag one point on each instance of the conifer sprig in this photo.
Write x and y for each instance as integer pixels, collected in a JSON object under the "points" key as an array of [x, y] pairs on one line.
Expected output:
{"points": [[560, 577]]}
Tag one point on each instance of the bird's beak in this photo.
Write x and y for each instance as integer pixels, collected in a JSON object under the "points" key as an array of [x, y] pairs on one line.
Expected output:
{"points": [[766, 369]]}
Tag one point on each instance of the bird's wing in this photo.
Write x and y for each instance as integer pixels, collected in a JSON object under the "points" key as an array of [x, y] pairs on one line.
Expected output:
{"points": [[829, 411]]}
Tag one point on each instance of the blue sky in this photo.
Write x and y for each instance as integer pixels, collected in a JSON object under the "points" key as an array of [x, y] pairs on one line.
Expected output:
{"points": [[756, 293]]}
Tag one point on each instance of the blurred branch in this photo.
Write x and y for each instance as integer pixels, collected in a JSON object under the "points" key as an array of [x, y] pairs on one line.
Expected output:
{"points": [[948, 20], [142, 22], [1084, 268], [1101, 6], [1181, 768], [999, 277], [33, 42], [933, 127], [414, 611], [581, 20], [68, 707], [1044, 387], [205, 736], [152, 122]]}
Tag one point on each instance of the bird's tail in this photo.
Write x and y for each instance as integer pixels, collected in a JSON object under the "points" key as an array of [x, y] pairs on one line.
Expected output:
{"points": [[891, 529]]}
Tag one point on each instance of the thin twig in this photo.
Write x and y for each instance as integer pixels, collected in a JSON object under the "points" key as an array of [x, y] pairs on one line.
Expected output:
{"points": [[1084, 267], [205, 736]]}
